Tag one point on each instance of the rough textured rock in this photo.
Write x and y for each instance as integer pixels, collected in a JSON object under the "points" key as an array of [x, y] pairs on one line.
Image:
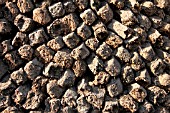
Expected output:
{"points": [[44, 53], [52, 105], [54, 90], [19, 76], [33, 68], [156, 94], [67, 79], [3, 68], [56, 43], [41, 15], [63, 25], [71, 40], [5, 26], [26, 52], [56, 10], [88, 16], [81, 52], [13, 60], [63, 58], [104, 51], [137, 92], [69, 97], [25, 5], [126, 101], [114, 87], [20, 39], [112, 66], [84, 56], [23, 23]]}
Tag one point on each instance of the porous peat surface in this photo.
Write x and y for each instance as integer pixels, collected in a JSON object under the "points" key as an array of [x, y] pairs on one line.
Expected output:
{"points": [[84, 56]]}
